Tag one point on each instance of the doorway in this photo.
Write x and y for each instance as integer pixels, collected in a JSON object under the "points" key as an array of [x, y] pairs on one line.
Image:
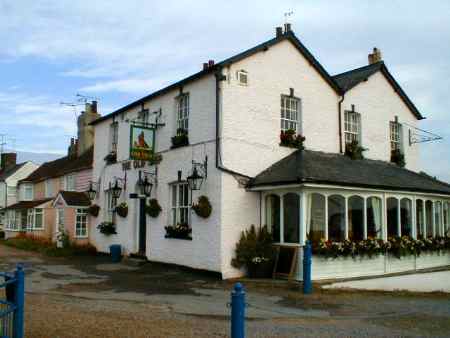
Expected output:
{"points": [[142, 228]]}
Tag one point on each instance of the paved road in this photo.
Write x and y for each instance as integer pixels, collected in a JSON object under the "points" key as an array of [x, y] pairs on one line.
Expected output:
{"points": [[90, 297], [420, 282]]}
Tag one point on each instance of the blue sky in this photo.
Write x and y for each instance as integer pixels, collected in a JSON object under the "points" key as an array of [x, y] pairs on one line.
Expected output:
{"points": [[119, 51]]}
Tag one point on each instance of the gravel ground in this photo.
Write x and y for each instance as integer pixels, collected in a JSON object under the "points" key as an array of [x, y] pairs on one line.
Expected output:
{"points": [[89, 297]]}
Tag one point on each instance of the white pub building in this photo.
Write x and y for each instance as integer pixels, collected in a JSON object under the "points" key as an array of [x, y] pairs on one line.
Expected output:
{"points": [[229, 133]]}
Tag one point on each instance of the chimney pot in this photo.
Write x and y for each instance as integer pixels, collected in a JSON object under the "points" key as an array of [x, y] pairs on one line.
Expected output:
{"points": [[205, 66], [375, 56], [94, 107], [211, 63], [278, 31], [287, 27]]}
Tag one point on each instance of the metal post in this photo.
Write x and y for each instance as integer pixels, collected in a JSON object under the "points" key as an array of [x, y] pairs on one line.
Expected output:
{"points": [[307, 253], [238, 311], [19, 302]]}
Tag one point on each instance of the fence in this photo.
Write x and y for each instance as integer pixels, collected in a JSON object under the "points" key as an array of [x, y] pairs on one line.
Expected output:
{"points": [[12, 303]]}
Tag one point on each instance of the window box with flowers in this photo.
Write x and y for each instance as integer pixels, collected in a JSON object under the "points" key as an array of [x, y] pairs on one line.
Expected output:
{"points": [[398, 157], [181, 139], [291, 139], [354, 150], [179, 231]]}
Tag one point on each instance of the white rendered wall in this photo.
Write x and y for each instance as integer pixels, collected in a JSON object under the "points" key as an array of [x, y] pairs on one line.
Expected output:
{"points": [[378, 104]]}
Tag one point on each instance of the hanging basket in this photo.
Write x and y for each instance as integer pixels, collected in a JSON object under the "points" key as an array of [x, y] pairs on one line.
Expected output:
{"points": [[203, 208], [94, 210], [153, 209], [122, 209]]}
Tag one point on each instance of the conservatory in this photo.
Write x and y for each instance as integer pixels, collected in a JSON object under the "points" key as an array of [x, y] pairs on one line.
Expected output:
{"points": [[346, 207]]}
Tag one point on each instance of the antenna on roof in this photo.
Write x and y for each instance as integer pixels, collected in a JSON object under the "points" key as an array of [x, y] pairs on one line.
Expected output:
{"points": [[85, 98], [287, 15]]}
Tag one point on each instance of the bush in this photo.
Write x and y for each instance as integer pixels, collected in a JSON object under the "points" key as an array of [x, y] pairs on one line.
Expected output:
{"points": [[254, 247]]}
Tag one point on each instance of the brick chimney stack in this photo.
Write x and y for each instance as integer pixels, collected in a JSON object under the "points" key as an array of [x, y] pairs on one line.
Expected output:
{"points": [[86, 131], [8, 161], [375, 56]]}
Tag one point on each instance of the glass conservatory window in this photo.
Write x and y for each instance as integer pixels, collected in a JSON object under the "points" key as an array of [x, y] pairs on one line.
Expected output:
{"points": [[392, 217], [356, 218], [429, 218], [374, 217], [438, 218], [420, 226], [336, 218], [406, 217], [446, 218], [291, 216], [273, 216], [317, 217]]}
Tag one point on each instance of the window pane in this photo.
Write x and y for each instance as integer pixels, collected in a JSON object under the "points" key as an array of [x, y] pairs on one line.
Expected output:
{"points": [[420, 227], [336, 218], [429, 218], [392, 217], [317, 217], [406, 216], [374, 217], [174, 196], [273, 216], [356, 218], [438, 218], [446, 218], [291, 206]]}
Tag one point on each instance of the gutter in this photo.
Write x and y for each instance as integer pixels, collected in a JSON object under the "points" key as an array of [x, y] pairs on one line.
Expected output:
{"points": [[340, 121], [219, 166]]}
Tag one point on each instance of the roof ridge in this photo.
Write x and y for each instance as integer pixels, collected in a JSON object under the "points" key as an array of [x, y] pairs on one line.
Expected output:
{"points": [[377, 64]]}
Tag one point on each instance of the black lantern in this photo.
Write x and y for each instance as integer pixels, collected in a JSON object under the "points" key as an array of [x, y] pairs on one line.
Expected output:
{"points": [[91, 193], [146, 186], [195, 180], [116, 190]]}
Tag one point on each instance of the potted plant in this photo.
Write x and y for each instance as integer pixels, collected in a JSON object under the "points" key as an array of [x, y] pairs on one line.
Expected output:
{"points": [[398, 157], [107, 228], [290, 139], [180, 139], [122, 209], [203, 208], [111, 158], [255, 252], [153, 208], [94, 210], [180, 231], [354, 150]]}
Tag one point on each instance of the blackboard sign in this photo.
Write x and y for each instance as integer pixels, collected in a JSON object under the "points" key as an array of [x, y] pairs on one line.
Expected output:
{"points": [[285, 261]]}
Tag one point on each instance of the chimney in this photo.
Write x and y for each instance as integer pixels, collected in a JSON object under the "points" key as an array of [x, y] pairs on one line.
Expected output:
{"points": [[72, 151], [205, 66], [211, 63], [375, 56], [278, 31], [287, 28], [85, 131], [8, 161]]}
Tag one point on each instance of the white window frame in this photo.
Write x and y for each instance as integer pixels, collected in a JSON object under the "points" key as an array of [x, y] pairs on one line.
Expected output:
{"points": [[11, 191], [242, 77], [183, 112], [11, 220], [352, 127], [27, 188], [69, 183], [395, 132], [38, 211], [180, 209], [81, 223], [49, 187], [110, 208], [290, 109], [114, 137]]}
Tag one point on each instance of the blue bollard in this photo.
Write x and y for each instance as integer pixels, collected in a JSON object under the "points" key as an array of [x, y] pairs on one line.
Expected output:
{"points": [[238, 311], [307, 253], [19, 302]]}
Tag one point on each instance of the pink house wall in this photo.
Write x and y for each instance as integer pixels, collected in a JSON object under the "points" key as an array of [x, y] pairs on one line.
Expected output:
{"points": [[83, 179]]}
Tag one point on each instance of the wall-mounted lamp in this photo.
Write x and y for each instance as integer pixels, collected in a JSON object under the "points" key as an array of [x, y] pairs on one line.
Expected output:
{"points": [[199, 174], [116, 190], [146, 183], [92, 191]]}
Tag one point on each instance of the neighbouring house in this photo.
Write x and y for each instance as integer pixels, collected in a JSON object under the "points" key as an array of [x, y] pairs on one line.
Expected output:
{"points": [[11, 173], [233, 133], [52, 198]]}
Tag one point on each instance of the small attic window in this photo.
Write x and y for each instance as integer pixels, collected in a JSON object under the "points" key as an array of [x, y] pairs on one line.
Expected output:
{"points": [[242, 77]]}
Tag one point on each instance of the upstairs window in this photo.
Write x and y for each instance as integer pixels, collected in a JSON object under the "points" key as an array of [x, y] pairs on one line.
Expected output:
{"points": [[69, 184], [242, 77], [183, 114], [180, 204], [114, 137], [352, 127], [27, 192], [395, 129], [48, 188], [290, 113]]}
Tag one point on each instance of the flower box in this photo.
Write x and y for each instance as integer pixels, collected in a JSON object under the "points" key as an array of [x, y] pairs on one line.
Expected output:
{"points": [[181, 139], [179, 231]]}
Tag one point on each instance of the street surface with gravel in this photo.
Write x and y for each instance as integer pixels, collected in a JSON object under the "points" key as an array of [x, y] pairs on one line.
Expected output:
{"points": [[92, 297]]}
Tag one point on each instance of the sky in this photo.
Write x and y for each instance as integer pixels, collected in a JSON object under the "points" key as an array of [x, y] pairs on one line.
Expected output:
{"points": [[118, 51]]}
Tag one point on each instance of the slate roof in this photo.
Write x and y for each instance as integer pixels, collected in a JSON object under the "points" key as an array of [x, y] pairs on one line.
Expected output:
{"points": [[350, 79], [75, 199], [290, 36], [62, 166], [335, 169], [4, 174], [28, 204]]}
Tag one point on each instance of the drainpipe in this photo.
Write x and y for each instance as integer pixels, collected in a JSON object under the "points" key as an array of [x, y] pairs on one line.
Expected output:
{"points": [[340, 122], [219, 166]]}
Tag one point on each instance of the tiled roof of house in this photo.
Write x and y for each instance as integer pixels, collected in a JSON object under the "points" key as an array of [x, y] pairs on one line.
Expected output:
{"points": [[61, 167], [75, 199], [350, 79], [4, 174], [336, 169], [28, 204]]}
